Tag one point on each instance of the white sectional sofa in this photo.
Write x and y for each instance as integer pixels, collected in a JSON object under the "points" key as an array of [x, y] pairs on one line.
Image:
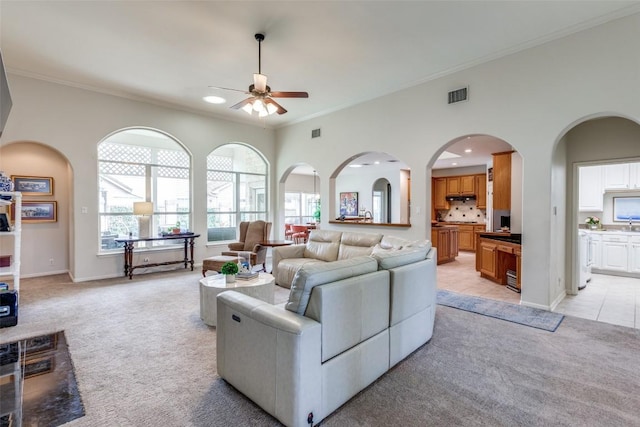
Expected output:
{"points": [[347, 321]]}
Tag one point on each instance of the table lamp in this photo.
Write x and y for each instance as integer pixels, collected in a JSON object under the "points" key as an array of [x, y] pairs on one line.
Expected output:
{"points": [[143, 210]]}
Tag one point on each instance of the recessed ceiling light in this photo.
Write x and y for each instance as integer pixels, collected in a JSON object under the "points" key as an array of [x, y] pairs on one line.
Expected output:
{"points": [[355, 166], [376, 162], [214, 99], [468, 150], [454, 163]]}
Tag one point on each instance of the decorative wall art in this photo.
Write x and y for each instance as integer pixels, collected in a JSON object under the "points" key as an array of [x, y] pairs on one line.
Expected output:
{"points": [[37, 212], [349, 203], [33, 185]]}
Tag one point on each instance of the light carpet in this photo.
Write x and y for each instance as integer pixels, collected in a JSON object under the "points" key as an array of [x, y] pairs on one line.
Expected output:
{"points": [[515, 313], [143, 357]]}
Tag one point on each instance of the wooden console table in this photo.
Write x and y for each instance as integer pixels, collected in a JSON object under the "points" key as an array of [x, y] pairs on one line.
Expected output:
{"points": [[129, 244]]}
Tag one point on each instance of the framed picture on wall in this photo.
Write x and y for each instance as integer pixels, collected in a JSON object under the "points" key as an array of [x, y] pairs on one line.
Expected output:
{"points": [[37, 212], [33, 185], [349, 203]]}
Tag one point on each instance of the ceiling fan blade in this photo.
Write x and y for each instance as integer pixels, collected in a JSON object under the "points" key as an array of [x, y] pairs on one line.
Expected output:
{"points": [[227, 88], [260, 82], [289, 94], [241, 104], [280, 108]]}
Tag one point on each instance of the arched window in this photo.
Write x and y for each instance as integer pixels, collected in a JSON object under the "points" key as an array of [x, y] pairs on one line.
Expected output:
{"points": [[236, 190], [142, 165]]}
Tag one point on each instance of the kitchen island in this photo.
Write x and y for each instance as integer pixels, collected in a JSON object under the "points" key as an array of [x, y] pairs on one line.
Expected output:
{"points": [[497, 254]]}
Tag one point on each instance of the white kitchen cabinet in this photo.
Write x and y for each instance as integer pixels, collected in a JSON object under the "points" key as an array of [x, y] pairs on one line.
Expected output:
{"points": [[634, 254], [14, 269], [616, 176], [590, 188], [595, 246], [615, 252], [634, 176]]}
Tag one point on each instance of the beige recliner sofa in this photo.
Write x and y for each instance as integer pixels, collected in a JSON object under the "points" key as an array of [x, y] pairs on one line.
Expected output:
{"points": [[345, 324]]}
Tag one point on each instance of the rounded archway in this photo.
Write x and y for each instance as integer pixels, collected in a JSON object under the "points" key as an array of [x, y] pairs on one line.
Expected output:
{"points": [[300, 202], [45, 245], [352, 188]]}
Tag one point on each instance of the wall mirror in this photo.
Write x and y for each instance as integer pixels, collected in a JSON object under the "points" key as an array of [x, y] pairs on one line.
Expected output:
{"points": [[379, 184]]}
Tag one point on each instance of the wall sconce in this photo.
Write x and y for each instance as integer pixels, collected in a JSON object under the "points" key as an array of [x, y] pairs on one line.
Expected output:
{"points": [[143, 210]]}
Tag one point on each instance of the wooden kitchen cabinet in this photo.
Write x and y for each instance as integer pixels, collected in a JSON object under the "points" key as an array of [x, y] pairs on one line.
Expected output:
{"points": [[440, 193], [494, 258], [481, 191], [502, 181], [461, 185], [445, 239], [466, 237], [488, 259]]}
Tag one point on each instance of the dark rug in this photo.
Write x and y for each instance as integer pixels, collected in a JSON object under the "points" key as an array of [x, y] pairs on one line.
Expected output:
{"points": [[528, 316], [50, 394]]}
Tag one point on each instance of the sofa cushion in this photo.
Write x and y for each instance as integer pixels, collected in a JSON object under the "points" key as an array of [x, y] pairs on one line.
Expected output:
{"points": [[288, 267], [392, 242], [391, 258], [357, 244], [314, 274], [323, 245]]}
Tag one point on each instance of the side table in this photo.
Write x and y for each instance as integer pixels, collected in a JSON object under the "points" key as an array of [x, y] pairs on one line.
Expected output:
{"points": [[262, 287]]}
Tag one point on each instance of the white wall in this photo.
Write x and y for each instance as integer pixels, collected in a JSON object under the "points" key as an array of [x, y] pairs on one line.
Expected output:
{"points": [[73, 121], [528, 99]]}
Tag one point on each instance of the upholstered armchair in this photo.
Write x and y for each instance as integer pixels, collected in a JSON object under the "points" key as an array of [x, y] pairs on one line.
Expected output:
{"points": [[251, 235]]}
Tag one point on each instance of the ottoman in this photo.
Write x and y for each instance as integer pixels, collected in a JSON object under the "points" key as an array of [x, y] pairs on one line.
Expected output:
{"points": [[215, 263]]}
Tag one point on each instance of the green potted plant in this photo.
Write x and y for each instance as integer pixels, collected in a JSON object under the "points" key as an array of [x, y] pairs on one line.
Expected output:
{"points": [[229, 269]]}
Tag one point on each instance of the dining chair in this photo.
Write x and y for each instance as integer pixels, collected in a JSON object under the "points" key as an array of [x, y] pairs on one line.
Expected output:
{"points": [[300, 233]]}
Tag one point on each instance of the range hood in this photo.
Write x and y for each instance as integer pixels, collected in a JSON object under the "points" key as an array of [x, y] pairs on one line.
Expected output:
{"points": [[460, 198]]}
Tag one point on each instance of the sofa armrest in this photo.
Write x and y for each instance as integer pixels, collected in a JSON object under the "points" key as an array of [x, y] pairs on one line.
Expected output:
{"points": [[271, 355], [282, 252]]}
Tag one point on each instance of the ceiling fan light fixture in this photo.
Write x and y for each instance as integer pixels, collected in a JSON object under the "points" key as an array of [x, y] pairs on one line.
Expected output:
{"points": [[260, 82]]}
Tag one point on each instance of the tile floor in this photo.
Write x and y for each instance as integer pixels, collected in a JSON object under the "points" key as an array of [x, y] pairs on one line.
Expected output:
{"points": [[609, 299]]}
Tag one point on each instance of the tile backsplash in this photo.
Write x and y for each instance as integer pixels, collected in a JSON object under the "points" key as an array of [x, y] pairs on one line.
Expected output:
{"points": [[465, 211]]}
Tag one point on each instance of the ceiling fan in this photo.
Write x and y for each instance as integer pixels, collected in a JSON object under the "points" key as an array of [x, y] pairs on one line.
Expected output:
{"points": [[261, 99]]}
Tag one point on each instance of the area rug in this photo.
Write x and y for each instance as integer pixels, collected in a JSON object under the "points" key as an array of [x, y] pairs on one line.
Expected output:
{"points": [[40, 367], [527, 316]]}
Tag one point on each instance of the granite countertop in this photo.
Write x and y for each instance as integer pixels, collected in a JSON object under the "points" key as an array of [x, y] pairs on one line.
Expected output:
{"points": [[503, 237]]}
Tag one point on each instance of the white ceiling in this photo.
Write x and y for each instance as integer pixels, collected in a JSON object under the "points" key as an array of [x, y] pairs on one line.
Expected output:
{"points": [[341, 52]]}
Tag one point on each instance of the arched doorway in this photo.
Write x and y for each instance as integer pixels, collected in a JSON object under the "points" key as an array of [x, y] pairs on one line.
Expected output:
{"points": [[476, 185], [591, 176], [45, 246]]}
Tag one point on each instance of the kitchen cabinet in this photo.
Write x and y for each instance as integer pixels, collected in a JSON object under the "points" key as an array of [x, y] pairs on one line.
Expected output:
{"points": [[467, 235], [461, 185], [616, 176], [595, 246], [634, 255], [615, 252], [502, 181], [494, 258], [440, 193], [590, 196], [488, 259], [14, 268], [634, 176], [481, 191], [445, 239]]}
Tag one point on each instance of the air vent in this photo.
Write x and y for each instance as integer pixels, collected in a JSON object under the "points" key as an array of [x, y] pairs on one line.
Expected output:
{"points": [[315, 133], [459, 95]]}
